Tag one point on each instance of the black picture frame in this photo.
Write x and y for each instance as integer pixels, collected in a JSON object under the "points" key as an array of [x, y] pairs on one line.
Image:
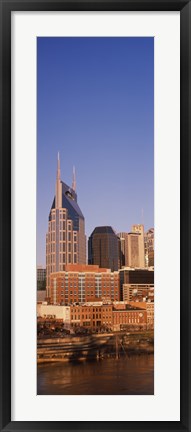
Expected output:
{"points": [[6, 7]]}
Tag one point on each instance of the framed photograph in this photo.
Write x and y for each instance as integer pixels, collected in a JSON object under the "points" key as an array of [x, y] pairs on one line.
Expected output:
{"points": [[95, 215]]}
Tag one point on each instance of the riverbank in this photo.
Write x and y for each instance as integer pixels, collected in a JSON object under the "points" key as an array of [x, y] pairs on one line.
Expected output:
{"points": [[96, 346]]}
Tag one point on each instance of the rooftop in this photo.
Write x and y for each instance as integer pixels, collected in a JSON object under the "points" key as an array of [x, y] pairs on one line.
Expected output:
{"points": [[103, 230]]}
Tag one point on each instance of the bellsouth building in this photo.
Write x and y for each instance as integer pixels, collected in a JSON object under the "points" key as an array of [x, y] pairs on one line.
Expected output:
{"points": [[65, 239]]}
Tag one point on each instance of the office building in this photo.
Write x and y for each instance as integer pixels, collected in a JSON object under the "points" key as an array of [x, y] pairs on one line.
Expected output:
{"points": [[65, 240], [83, 283], [103, 248], [41, 278], [138, 292], [135, 276], [149, 248], [123, 249], [53, 312], [132, 252], [139, 229]]}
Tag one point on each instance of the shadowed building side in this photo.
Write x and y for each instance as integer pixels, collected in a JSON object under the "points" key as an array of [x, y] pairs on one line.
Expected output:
{"points": [[103, 248]]}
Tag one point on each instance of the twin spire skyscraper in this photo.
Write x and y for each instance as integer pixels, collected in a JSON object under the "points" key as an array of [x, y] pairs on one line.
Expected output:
{"points": [[58, 193], [65, 239]]}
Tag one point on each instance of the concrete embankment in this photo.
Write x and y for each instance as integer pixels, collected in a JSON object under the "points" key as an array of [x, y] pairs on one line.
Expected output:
{"points": [[78, 348]]}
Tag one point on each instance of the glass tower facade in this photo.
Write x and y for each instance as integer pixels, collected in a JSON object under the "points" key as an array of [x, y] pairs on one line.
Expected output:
{"points": [[103, 248]]}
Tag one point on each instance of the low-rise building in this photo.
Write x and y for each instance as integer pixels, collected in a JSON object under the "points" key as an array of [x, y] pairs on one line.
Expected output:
{"points": [[149, 307], [139, 292], [92, 316], [150, 315], [45, 310], [131, 316], [135, 276], [95, 316]]}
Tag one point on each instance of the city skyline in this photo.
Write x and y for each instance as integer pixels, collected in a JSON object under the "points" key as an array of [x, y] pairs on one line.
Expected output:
{"points": [[111, 147]]}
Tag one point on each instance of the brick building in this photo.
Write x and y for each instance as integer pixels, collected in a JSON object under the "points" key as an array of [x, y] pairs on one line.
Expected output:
{"points": [[139, 292], [150, 315], [92, 316], [135, 276], [130, 316], [83, 283], [114, 316]]}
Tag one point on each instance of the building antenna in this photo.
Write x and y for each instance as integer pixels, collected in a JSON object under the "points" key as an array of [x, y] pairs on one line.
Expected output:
{"points": [[74, 179], [58, 166], [58, 195]]}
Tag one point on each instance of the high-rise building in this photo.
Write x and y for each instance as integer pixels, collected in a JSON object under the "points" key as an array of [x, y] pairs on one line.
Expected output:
{"points": [[103, 248], [41, 278], [139, 229], [149, 248], [65, 240], [123, 249], [132, 247]]}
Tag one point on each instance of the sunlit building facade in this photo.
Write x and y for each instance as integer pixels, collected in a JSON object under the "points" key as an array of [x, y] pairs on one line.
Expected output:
{"points": [[132, 252], [149, 248], [132, 279], [83, 283]]}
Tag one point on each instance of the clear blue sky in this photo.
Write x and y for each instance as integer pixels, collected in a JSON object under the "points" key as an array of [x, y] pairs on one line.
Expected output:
{"points": [[95, 105]]}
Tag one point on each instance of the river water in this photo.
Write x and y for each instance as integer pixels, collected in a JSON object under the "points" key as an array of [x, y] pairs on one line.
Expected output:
{"points": [[133, 375]]}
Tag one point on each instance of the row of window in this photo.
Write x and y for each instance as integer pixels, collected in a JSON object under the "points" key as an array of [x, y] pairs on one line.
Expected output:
{"points": [[128, 320], [51, 259], [86, 316]]}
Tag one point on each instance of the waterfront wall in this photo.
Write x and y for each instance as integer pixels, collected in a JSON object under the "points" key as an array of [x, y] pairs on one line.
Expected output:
{"points": [[73, 348]]}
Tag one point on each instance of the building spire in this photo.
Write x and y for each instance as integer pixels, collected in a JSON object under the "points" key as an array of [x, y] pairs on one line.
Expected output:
{"points": [[74, 179], [58, 198], [58, 167]]}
